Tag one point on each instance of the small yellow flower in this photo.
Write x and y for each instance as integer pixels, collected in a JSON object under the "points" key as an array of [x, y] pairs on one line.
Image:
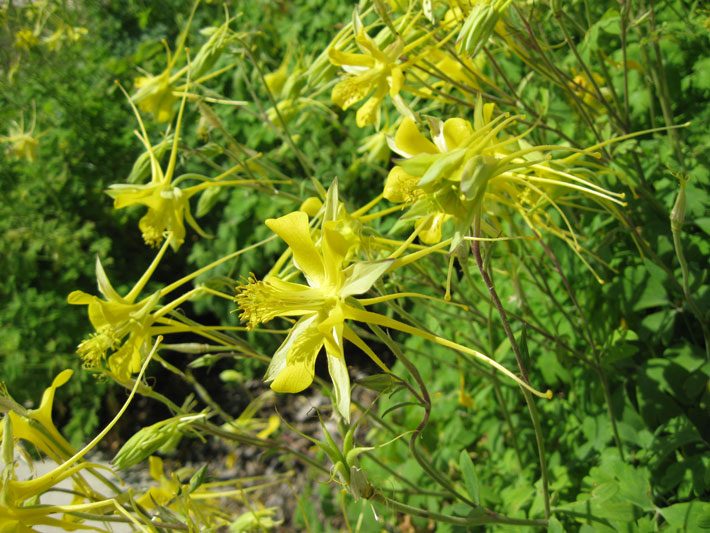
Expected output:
{"points": [[25, 38], [585, 90], [374, 70], [155, 95], [22, 144], [122, 335], [168, 205], [191, 504], [158, 94]]}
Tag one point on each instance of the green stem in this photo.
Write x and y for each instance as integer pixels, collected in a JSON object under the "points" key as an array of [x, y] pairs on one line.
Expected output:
{"points": [[488, 517], [661, 82], [532, 408], [590, 339]]}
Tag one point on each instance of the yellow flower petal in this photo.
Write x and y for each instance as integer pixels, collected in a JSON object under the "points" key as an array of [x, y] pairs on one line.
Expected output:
{"points": [[39, 429], [368, 45], [334, 247], [338, 371], [128, 359], [278, 361], [351, 90], [456, 132], [396, 81], [271, 426], [44, 413], [369, 113], [348, 59], [166, 217], [105, 286], [126, 194], [410, 140], [360, 277], [295, 377], [311, 206], [400, 186], [431, 233], [80, 298], [297, 358], [293, 229]]}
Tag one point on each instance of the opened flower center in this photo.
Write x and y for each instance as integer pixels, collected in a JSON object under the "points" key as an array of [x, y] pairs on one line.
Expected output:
{"points": [[264, 300]]}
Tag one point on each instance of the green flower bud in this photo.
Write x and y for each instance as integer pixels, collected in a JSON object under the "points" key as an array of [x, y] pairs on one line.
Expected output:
{"points": [[164, 434]]}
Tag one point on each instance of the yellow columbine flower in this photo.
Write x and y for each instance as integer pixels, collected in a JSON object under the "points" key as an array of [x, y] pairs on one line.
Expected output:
{"points": [[432, 206], [36, 425], [155, 95], [20, 506], [319, 305], [168, 205], [158, 94], [322, 305], [123, 326], [26, 38], [467, 170], [22, 144], [375, 69]]}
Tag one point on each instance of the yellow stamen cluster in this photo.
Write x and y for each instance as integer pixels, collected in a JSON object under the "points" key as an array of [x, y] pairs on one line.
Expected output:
{"points": [[93, 349], [153, 235], [264, 300]]}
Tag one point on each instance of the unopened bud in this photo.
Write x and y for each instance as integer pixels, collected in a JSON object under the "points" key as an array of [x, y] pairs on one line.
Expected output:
{"points": [[479, 25], [150, 439]]}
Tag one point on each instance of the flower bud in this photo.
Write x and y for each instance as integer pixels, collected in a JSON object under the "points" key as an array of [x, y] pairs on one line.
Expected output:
{"points": [[150, 439]]}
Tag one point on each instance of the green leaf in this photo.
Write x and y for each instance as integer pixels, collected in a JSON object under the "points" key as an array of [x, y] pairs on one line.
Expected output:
{"points": [[378, 382], [689, 516], [207, 201], [442, 167], [197, 479], [554, 526], [704, 224], [470, 478]]}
